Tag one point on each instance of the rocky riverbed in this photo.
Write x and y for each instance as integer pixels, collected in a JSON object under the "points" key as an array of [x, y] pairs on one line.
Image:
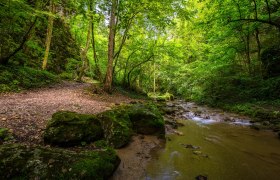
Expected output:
{"points": [[208, 143]]}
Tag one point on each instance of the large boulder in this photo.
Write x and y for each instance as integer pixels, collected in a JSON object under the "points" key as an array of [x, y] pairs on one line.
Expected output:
{"points": [[70, 128], [116, 126], [146, 119], [23, 162]]}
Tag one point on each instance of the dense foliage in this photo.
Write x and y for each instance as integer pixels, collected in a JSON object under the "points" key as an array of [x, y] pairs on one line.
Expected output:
{"points": [[208, 51]]}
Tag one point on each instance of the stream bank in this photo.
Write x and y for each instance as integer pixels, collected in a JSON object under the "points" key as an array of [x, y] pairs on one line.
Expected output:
{"points": [[213, 144]]}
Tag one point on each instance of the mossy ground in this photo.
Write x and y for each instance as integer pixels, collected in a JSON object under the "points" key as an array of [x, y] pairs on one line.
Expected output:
{"points": [[17, 78], [5, 135], [23, 162]]}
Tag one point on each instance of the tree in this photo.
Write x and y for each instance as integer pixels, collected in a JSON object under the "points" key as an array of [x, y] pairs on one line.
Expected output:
{"points": [[111, 47], [96, 61], [84, 51], [49, 34]]}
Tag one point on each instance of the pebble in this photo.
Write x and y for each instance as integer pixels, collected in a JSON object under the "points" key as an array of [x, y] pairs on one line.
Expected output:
{"points": [[201, 177]]}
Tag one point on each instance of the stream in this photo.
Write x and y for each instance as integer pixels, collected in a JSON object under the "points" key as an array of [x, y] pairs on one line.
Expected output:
{"points": [[213, 144]]}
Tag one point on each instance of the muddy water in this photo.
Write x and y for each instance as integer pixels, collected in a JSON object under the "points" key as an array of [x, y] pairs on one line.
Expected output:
{"points": [[216, 150]]}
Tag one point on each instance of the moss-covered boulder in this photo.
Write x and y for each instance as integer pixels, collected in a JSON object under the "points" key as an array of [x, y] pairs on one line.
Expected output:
{"points": [[146, 119], [116, 126], [70, 128], [23, 162], [5, 135]]}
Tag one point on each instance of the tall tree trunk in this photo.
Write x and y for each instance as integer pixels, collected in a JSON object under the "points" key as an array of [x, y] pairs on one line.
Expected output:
{"points": [[97, 70], [258, 34], [154, 84], [84, 55], [49, 35], [111, 47], [259, 48], [248, 55]]}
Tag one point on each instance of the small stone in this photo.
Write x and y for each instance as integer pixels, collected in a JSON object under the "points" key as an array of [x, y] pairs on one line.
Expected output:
{"points": [[201, 177], [227, 119], [207, 117], [64, 170], [4, 119], [197, 152], [190, 146], [133, 102], [178, 133], [266, 123], [51, 161], [205, 156]]}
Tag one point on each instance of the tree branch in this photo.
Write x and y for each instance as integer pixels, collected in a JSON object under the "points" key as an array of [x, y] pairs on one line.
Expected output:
{"points": [[5, 60], [139, 64], [258, 20]]}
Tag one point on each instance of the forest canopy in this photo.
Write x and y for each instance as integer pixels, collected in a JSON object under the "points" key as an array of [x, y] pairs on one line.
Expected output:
{"points": [[204, 50]]}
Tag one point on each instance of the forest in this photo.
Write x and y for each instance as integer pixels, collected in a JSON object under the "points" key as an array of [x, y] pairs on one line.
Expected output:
{"points": [[220, 53], [206, 51]]}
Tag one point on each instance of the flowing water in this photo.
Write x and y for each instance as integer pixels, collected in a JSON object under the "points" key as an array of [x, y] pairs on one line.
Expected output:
{"points": [[217, 150]]}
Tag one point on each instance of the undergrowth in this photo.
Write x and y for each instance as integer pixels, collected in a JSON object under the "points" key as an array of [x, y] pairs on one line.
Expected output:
{"points": [[15, 79]]}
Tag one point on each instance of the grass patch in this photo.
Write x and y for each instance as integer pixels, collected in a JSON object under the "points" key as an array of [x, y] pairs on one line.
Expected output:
{"points": [[17, 78]]}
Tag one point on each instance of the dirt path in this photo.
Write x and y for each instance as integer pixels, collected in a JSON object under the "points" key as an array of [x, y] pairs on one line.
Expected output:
{"points": [[27, 113]]}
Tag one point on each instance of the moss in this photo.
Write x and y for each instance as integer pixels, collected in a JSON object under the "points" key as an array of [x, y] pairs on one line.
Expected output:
{"points": [[119, 122], [101, 144], [101, 164], [117, 127], [16, 78], [70, 128], [146, 119], [161, 97], [5, 135], [23, 162]]}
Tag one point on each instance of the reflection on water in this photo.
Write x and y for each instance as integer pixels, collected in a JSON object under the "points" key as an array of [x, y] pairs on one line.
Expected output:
{"points": [[227, 152]]}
